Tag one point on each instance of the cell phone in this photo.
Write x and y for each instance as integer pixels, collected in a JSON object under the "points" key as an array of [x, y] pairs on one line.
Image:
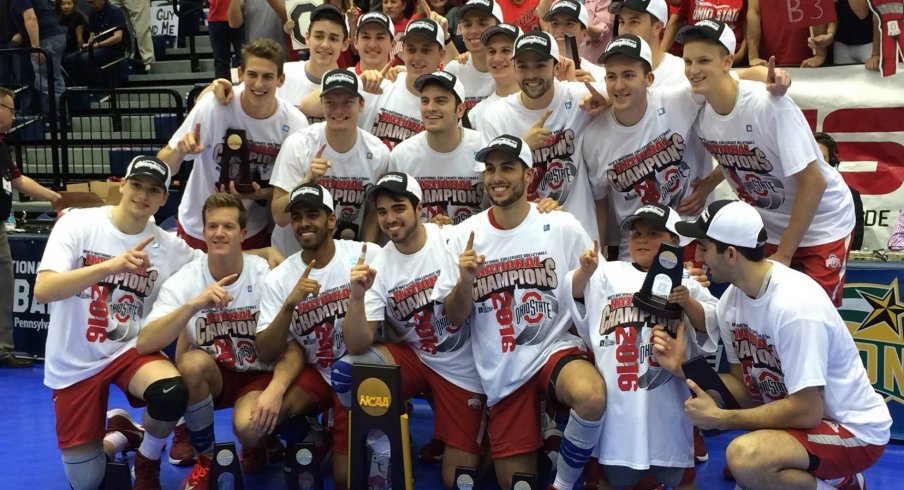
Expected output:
{"points": [[699, 370], [571, 50]]}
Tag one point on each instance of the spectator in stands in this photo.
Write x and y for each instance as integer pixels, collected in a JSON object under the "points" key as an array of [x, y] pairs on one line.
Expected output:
{"points": [[856, 38], [74, 22], [399, 11], [769, 34], [82, 67], [260, 19], [522, 13], [12, 179], [896, 240], [140, 25], [733, 13], [570, 17], [829, 150], [9, 65], [225, 42], [599, 33], [37, 28]]}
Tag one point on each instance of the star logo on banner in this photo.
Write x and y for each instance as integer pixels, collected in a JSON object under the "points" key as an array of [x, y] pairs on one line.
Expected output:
{"points": [[887, 309]]}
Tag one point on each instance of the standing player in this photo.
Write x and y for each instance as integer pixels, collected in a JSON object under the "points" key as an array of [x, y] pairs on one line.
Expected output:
{"points": [[305, 300], [103, 279], [266, 120], [336, 154], [547, 115], [435, 356], [570, 17], [814, 419], [636, 443], [374, 41], [767, 151], [512, 294], [499, 42], [475, 17], [442, 157]]}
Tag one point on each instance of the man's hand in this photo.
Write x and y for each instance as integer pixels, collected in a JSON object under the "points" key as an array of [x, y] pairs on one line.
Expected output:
{"points": [[781, 257], [696, 273], [565, 70], [583, 76], [257, 193], [274, 257], [464, 57], [435, 17], [288, 27], [778, 81], [319, 166], [758, 62], [469, 263], [693, 204], [132, 259], [215, 296], [590, 260], [820, 41], [680, 296], [670, 352], [393, 74], [441, 220], [872, 64], [548, 205], [701, 409], [266, 411], [304, 287], [223, 91], [190, 143], [538, 136], [39, 58], [594, 102], [372, 79], [362, 276]]}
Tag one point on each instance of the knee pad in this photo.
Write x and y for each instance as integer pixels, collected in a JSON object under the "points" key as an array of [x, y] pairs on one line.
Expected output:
{"points": [[341, 372], [166, 399]]}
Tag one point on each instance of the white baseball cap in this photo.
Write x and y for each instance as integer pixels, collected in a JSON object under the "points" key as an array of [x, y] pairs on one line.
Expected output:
{"points": [[512, 146], [398, 183], [631, 46], [486, 6], [311, 195], [659, 217], [731, 222], [656, 8], [539, 42], [712, 29], [571, 8], [447, 80]]}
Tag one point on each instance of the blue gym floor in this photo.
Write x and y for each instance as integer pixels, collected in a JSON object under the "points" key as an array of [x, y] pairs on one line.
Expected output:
{"points": [[32, 460]]}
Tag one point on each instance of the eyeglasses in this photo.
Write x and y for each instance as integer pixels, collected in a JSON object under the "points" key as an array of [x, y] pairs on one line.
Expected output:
{"points": [[11, 108]]}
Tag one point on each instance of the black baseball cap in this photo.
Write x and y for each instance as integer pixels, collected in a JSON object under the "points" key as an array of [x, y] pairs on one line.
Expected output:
{"points": [[571, 8], [631, 46], [509, 30], [710, 29], [426, 29], [398, 183], [656, 8], [331, 12], [486, 6], [537, 42], [444, 78], [659, 217], [310, 195], [512, 146], [150, 167], [339, 79], [378, 18], [731, 222]]}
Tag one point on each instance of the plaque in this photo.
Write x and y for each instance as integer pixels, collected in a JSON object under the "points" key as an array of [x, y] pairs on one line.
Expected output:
{"points": [[664, 276], [235, 162]]}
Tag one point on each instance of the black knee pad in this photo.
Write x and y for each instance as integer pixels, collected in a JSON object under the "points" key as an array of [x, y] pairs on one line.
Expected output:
{"points": [[167, 399]]}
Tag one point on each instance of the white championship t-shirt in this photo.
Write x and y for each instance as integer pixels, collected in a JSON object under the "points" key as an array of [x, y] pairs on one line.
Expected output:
{"points": [[670, 73], [760, 145], [518, 320], [263, 137], [395, 116], [476, 114], [91, 329], [448, 181], [620, 336], [227, 334], [401, 295], [317, 321], [349, 177], [478, 85], [297, 86], [792, 338]]}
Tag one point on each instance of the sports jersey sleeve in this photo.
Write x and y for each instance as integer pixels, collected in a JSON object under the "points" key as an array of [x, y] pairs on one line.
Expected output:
{"points": [[579, 242], [170, 298], [62, 249], [375, 301], [803, 347], [449, 273], [707, 341], [201, 115], [292, 163], [272, 298], [793, 135]]}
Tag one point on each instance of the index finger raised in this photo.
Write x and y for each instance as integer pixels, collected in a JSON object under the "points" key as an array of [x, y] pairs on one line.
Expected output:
{"points": [[426, 8], [143, 243], [307, 272], [226, 280], [592, 89], [363, 254], [319, 153], [470, 244], [540, 122], [385, 70]]}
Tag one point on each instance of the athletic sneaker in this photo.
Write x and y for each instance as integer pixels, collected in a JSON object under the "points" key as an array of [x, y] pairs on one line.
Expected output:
{"points": [[700, 452], [432, 451], [253, 459], [199, 477], [853, 482], [181, 453], [275, 449], [118, 420], [147, 473]]}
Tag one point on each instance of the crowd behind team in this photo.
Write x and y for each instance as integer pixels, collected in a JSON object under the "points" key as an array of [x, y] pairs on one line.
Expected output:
{"points": [[494, 181]]}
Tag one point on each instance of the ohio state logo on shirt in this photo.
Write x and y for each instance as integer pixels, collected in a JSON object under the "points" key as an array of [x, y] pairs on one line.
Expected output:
{"points": [[261, 156], [762, 369], [313, 322], [554, 169], [455, 197], [656, 173], [229, 334], [749, 172], [519, 291], [410, 303], [116, 304], [393, 128], [622, 326]]}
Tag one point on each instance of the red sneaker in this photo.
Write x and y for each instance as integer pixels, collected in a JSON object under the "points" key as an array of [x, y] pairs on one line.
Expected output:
{"points": [[181, 452], [700, 452], [118, 420], [253, 459], [147, 473], [199, 477]]}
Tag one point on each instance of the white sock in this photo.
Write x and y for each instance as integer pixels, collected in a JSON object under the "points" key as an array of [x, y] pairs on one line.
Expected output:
{"points": [[151, 446], [824, 485], [118, 440], [578, 440]]}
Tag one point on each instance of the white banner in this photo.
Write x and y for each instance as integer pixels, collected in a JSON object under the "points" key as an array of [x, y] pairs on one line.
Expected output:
{"points": [[164, 22]]}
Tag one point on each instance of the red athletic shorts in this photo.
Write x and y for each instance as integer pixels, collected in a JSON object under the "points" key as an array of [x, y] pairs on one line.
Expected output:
{"points": [[840, 453], [826, 264], [238, 384], [261, 240], [514, 426], [81, 408], [312, 383]]}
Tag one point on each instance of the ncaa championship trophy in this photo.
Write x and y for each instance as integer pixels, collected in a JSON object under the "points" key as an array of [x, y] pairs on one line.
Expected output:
{"points": [[377, 406], [465, 478], [225, 472], [664, 276], [235, 164]]}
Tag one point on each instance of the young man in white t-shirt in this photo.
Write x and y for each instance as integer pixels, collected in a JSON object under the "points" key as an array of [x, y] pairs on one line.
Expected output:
{"points": [[374, 41], [211, 307], [570, 17], [475, 17], [814, 419], [305, 300], [511, 293], [266, 121], [336, 154], [547, 115], [435, 356], [499, 42], [766, 149], [636, 443], [441, 158], [102, 268]]}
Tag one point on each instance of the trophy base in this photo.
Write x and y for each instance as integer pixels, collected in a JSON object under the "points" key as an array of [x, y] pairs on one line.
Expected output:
{"points": [[657, 306]]}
